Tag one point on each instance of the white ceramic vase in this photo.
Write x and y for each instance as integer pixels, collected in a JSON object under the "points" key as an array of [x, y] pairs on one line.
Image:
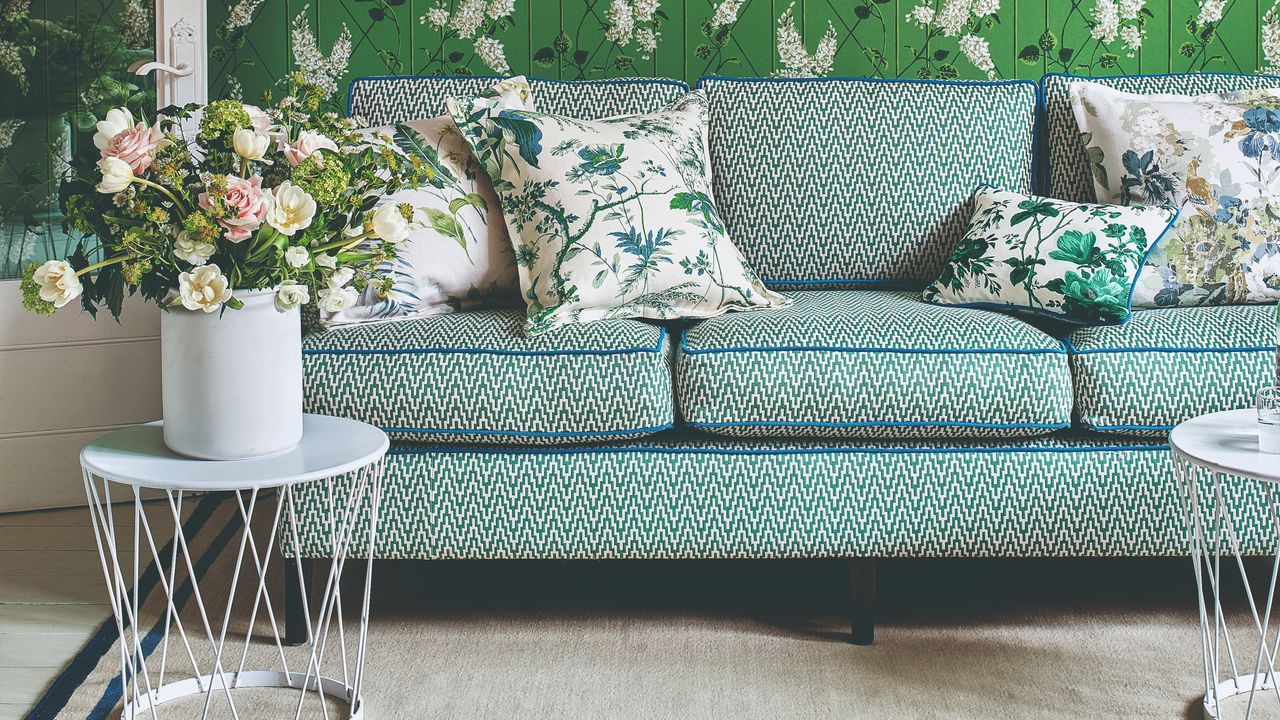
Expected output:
{"points": [[232, 379]]}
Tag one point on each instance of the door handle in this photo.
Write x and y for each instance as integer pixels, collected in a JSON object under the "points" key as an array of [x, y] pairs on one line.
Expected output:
{"points": [[143, 67]]}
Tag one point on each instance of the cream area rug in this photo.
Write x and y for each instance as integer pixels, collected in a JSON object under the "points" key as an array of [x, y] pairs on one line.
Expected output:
{"points": [[1083, 638]]}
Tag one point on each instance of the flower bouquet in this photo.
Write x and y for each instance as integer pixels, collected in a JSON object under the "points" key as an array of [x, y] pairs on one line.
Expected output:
{"points": [[261, 212]]}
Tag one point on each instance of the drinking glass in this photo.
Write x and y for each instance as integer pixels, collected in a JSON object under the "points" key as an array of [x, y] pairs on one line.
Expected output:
{"points": [[1269, 420]]}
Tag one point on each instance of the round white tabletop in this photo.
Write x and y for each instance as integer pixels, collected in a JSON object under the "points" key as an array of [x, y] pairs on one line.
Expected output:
{"points": [[1227, 442], [330, 446]]}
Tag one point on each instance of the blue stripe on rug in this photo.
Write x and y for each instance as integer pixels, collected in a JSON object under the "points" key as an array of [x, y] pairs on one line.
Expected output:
{"points": [[75, 674]]}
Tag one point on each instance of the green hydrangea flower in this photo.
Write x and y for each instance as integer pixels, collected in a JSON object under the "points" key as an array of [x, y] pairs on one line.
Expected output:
{"points": [[31, 299], [220, 121], [326, 184]]}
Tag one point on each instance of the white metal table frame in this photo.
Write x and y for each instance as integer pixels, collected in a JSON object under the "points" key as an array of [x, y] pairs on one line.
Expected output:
{"points": [[1223, 445], [333, 451]]}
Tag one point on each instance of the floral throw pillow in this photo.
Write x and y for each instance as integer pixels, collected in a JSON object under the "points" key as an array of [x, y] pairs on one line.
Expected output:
{"points": [[612, 218], [457, 254], [1050, 257], [1217, 157]]}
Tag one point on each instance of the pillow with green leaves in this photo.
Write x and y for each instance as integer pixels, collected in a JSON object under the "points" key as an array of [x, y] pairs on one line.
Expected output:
{"points": [[456, 254], [1073, 261], [612, 218]]}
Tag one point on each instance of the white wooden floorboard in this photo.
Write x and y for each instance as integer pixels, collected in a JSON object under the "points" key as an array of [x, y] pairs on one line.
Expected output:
{"points": [[13, 711], [24, 685], [37, 649]]}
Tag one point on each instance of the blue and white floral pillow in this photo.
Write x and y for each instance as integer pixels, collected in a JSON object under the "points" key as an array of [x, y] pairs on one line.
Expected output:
{"points": [[1050, 257], [457, 254], [612, 218], [1217, 157]]}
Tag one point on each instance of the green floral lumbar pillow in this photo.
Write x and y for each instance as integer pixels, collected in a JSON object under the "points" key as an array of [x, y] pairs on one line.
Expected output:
{"points": [[1217, 157], [1050, 257], [611, 218]]}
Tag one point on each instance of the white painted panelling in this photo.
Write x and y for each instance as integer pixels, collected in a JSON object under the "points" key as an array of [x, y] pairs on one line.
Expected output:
{"points": [[65, 380]]}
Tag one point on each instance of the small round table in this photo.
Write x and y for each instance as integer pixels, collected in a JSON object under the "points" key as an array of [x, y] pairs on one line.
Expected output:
{"points": [[343, 456], [1208, 451]]}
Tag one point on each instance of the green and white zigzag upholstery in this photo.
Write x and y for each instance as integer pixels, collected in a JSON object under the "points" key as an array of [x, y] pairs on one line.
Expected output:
{"points": [[475, 377], [390, 100], [683, 495], [1068, 168], [837, 182], [1165, 366], [871, 364]]}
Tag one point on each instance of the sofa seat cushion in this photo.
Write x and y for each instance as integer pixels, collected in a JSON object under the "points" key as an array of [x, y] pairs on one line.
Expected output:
{"points": [[1167, 365], [473, 377], [871, 364]]}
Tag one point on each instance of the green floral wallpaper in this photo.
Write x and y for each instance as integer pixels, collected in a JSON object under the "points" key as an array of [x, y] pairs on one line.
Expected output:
{"points": [[257, 40]]}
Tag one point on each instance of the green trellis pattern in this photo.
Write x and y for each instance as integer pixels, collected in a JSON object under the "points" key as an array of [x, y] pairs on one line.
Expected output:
{"points": [[584, 39], [689, 496]]}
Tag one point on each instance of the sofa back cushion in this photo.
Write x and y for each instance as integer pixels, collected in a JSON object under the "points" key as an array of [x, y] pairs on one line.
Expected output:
{"points": [[855, 182], [1067, 172], [391, 100]]}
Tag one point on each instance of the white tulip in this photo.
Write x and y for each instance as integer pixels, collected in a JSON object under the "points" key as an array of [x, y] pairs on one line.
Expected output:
{"points": [[290, 295], [117, 121], [337, 299], [204, 288], [116, 175], [291, 209], [297, 256], [327, 261], [58, 282], [249, 144], [188, 248], [341, 277], [389, 224]]}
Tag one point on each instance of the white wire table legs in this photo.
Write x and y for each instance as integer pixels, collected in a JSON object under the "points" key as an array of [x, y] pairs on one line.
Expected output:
{"points": [[191, 616], [1239, 668]]}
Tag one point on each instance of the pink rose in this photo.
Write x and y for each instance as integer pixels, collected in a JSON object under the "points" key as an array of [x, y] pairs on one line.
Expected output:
{"points": [[247, 203], [258, 120], [136, 146], [307, 143]]}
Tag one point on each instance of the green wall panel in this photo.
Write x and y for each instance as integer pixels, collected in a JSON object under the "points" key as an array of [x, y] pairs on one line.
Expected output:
{"points": [[583, 39]]}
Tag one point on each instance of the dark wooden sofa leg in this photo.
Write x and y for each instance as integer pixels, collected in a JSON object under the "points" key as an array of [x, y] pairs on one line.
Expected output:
{"points": [[862, 590], [295, 611]]}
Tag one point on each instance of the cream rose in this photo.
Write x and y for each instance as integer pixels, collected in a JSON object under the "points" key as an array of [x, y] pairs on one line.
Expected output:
{"points": [[117, 121], [58, 282], [306, 144], [291, 295], [341, 277], [337, 299], [292, 209], [188, 248], [388, 223], [204, 288], [116, 175], [136, 145], [250, 145], [248, 203], [327, 261], [297, 256]]}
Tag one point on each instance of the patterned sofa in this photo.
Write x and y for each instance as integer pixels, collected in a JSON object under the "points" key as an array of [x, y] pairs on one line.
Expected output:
{"points": [[858, 423]]}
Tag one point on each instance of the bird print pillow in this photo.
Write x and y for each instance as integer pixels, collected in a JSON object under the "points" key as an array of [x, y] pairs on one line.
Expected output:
{"points": [[457, 254], [612, 218], [1216, 157]]}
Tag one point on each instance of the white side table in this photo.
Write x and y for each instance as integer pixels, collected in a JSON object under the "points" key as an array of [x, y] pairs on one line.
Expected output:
{"points": [[344, 455], [1208, 451]]}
